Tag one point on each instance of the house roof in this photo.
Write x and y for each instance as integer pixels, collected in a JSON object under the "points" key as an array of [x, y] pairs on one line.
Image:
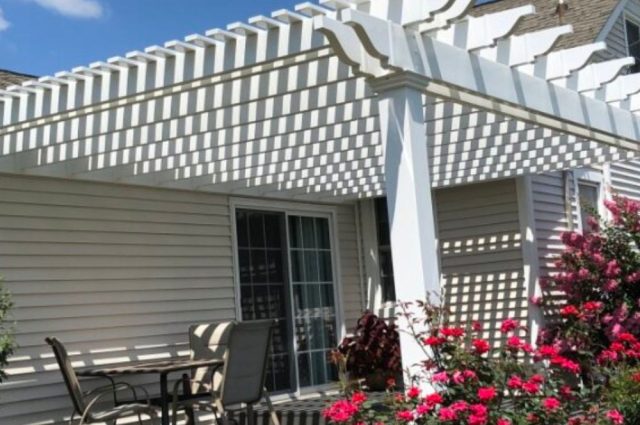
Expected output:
{"points": [[9, 78], [587, 17]]}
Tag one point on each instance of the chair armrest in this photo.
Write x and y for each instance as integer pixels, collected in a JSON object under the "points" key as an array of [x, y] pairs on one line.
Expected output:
{"points": [[100, 393]]}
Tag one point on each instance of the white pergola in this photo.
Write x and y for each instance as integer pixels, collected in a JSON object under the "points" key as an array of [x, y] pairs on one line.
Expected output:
{"points": [[337, 100]]}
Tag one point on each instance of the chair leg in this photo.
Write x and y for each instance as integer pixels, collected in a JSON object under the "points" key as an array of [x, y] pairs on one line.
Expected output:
{"points": [[251, 420], [272, 411]]}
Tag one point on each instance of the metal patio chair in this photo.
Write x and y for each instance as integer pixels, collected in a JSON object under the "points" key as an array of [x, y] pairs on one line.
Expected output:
{"points": [[84, 403], [241, 383]]}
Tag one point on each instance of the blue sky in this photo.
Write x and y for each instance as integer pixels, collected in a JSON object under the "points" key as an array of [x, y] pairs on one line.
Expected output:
{"points": [[42, 37]]}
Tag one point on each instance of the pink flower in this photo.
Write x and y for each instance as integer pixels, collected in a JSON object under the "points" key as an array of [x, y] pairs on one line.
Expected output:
{"points": [[440, 377], [445, 414], [615, 417], [486, 394], [459, 406], [551, 404], [508, 325], [405, 415], [423, 409], [476, 326], [612, 269], [503, 421]]}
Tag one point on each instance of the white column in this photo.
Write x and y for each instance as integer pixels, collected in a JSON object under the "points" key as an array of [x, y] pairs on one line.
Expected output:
{"points": [[409, 197]]}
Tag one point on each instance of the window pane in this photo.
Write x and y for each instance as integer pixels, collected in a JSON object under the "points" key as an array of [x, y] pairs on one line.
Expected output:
{"points": [[588, 203], [308, 232], [313, 290], [387, 283], [264, 287], [256, 230]]}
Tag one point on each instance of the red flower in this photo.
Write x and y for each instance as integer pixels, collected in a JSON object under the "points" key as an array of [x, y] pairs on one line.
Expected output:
{"points": [[476, 326], [452, 332], [547, 351], [486, 394], [636, 377], [508, 325], [514, 382], [433, 341], [570, 311], [459, 406], [514, 343], [503, 421], [551, 404], [433, 399], [358, 397], [480, 346], [413, 392], [341, 411], [615, 417]]}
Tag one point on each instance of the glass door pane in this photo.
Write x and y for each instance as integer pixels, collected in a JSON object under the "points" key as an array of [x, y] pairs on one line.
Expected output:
{"points": [[261, 240], [314, 308]]}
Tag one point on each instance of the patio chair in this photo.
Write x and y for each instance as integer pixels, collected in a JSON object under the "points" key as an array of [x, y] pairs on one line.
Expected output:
{"points": [[242, 380], [85, 402]]}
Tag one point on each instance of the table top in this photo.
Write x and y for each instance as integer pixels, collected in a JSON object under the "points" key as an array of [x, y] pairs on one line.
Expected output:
{"points": [[164, 366]]}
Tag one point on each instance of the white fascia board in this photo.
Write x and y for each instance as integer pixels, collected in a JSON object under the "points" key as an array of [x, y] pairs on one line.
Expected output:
{"points": [[455, 73]]}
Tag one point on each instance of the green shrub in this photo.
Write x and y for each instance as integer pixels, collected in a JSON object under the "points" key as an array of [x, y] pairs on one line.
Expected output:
{"points": [[624, 393], [7, 339]]}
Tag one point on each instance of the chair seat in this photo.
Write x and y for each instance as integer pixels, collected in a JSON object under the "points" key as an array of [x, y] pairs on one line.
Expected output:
{"points": [[121, 411]]}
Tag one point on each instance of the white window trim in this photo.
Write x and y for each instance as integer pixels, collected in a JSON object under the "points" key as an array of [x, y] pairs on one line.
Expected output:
{"points": [[300, 209]]}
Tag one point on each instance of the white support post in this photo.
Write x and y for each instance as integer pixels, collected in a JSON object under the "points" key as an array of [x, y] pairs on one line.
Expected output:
{"points": [[409, 199]]}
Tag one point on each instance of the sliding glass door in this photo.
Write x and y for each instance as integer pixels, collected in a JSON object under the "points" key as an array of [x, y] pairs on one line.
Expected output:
{"points": [[285, 272]]}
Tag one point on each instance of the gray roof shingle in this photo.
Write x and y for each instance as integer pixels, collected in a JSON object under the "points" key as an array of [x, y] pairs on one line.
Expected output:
{"points": [[588, 17], [8, 78]]}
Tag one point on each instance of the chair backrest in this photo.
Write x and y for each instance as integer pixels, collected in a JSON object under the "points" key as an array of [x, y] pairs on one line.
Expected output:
{"points": [[68, 373], [207, 341], [246, 363]]}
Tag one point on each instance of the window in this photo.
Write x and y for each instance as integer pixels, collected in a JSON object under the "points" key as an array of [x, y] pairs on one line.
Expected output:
{"points": [[589, 202], [387, 283], [285, 272], [633, 43]]}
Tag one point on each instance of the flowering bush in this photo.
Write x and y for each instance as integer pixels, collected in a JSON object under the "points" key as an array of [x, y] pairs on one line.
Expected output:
{"points": [[474, 384], [585, 369], [599, 278]]}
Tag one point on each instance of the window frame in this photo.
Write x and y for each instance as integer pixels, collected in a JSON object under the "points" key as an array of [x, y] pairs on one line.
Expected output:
{"points": [[296, 209], [588, 177]]}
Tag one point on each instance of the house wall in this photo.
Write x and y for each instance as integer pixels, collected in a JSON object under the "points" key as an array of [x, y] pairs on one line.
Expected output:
{"points": [[481, 253], [117, 273]]}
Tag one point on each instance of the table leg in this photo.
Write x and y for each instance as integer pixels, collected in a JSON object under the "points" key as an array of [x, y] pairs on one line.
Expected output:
{"points": [[164, 399]]}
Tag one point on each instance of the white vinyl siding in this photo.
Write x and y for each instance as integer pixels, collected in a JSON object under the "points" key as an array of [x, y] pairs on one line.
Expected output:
{"points": [[616, 38], [550, 212], [481, 255], [118, 273], [349, 260], [625, 178]]}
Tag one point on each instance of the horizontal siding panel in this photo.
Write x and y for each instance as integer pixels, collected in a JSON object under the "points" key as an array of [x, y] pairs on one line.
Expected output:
{"points": [[117, 273], [481, 256]]}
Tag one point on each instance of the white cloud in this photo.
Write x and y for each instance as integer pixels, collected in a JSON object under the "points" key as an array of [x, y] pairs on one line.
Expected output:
{"points": [[4, 24], [74, 8]]}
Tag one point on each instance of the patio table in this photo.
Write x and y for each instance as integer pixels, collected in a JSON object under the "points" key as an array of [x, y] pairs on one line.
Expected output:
{"points": [[162, 368]]}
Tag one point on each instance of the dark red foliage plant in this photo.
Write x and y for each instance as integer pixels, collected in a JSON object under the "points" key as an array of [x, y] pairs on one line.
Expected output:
{"points": [[374, 347]]}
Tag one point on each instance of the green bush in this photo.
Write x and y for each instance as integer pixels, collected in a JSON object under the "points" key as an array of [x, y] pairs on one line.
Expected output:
{"points": [[624, 393], [7, 339]]}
